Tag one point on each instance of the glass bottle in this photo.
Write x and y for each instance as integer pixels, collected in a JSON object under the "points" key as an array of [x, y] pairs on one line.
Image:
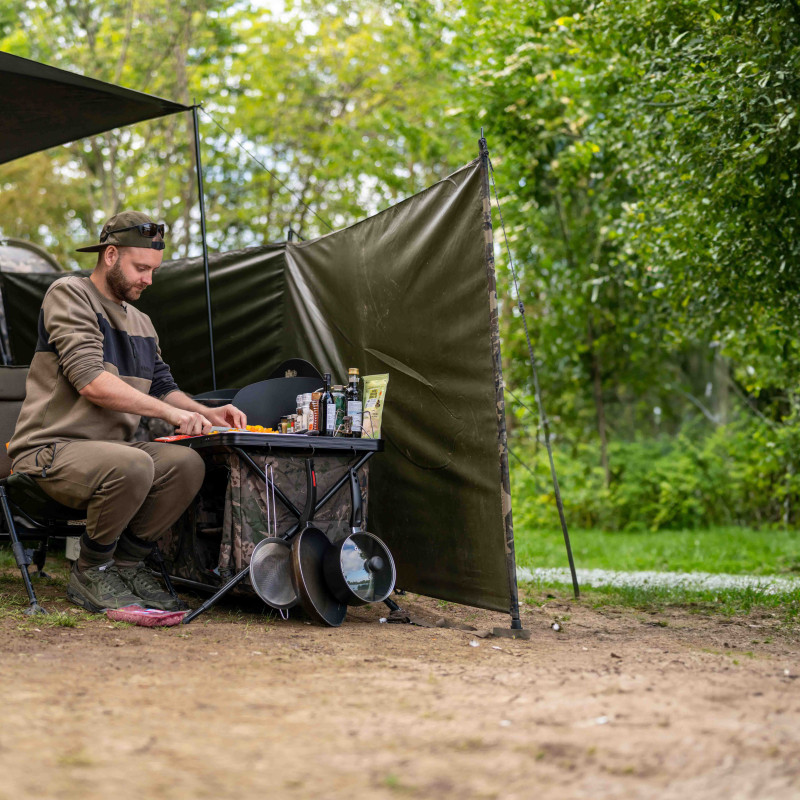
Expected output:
{"points": [[327, 409], [355, 408]]}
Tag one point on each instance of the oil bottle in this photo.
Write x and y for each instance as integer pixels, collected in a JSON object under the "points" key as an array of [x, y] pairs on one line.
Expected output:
{"points": [[327, 409], [355, 408]]}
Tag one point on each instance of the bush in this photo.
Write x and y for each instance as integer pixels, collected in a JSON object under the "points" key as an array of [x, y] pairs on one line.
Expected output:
{"points": [[743, 473]]}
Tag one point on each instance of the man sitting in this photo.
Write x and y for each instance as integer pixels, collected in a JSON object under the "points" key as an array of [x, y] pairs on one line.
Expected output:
{"points": [[96, 369]]}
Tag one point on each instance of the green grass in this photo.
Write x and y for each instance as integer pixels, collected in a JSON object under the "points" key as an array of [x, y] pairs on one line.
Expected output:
{"points": [[740, 551], [6, 557], [783, 606]]}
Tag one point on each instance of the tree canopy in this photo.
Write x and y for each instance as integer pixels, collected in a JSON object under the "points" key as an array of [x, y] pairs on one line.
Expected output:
{"points": [[646, 156]]}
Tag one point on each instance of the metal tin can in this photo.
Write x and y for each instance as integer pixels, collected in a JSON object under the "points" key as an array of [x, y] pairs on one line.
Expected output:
{"points": [[337, 392]]}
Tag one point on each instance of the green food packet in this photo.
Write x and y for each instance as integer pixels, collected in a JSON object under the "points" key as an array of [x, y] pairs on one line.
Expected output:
{"points": [[374, 399]]}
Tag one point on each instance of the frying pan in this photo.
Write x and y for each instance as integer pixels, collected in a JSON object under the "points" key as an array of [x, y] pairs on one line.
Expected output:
{"points": [[307, 556], [359, 569]]}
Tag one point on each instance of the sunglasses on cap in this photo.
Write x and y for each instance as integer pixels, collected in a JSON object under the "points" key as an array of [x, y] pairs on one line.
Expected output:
{"points": [[147, 229]]}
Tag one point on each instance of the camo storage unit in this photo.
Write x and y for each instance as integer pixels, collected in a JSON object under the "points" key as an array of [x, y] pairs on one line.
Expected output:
{"points": [[215, 537]]}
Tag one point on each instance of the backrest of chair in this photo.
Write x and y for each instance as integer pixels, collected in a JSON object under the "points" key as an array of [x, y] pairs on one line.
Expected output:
{"points": [[295, 368], [12, 393]]}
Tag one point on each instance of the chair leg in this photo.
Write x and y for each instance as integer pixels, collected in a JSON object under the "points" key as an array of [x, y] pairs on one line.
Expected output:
{"points": [[19, 556], [165, 574], [39, 558]]}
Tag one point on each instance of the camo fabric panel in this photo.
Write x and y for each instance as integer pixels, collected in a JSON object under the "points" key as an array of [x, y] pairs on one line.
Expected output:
{"points": [[215, 537], [245, 520], [191, 546]]}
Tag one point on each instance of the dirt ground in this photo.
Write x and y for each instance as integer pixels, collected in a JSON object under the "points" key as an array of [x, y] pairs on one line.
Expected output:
{"points": [[617, 703]]}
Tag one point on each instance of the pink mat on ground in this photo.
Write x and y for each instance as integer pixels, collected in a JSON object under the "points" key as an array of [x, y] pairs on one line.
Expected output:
{"points": [[147, 617]]}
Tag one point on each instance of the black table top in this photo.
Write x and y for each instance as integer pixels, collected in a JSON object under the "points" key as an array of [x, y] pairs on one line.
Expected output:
{"points": [[284, 441]]}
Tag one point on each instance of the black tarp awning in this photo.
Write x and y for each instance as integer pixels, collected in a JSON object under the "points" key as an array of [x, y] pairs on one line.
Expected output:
{"points": [[42, 106]]}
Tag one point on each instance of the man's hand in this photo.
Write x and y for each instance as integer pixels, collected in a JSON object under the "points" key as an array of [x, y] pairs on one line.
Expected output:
{"points": [[190, 423], [227, 417]]}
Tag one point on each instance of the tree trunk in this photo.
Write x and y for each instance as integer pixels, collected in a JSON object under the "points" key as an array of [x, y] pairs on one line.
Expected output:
{"points": [[597, 387]]}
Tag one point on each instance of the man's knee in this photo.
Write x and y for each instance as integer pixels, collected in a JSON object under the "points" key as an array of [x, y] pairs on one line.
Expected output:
{"points": [[191, 468], [135, 471]]}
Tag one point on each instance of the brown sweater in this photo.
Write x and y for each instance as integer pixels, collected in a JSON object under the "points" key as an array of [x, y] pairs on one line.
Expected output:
{"points": [[81, 334]]}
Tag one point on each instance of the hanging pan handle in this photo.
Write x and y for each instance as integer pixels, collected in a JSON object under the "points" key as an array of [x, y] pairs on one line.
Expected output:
{"points": [[356, 517], [311, 496]]}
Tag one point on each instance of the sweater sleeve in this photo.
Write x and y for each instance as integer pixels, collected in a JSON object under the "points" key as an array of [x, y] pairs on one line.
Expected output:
{"points": [[73, 330], [163, 382]]}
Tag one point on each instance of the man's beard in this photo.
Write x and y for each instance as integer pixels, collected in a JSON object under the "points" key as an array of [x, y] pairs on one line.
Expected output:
{"points": [[121, 287]]}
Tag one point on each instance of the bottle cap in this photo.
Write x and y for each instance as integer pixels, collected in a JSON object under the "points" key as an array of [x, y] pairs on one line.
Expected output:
{"points": [[352, 371]]}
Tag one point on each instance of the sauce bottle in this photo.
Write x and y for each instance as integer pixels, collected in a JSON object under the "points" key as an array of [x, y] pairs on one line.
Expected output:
{"points": [[355, 408], [327, 409]]}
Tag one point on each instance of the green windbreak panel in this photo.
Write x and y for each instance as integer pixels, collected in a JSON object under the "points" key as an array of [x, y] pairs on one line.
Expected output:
{"points": [[246, 291], [22, 299], [405, 292]]}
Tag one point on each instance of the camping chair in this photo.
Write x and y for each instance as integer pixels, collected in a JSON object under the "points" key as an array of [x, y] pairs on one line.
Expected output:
{"points": [[29, 513]]}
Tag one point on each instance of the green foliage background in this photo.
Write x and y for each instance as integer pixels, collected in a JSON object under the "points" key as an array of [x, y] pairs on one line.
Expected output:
{"points": [[646, 153]]}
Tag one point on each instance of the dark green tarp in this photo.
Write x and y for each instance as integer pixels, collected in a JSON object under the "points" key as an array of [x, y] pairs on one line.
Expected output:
{"points": [[43, 106], [404, 292]]}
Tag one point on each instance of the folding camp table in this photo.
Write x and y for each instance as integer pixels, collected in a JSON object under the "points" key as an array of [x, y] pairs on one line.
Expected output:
{"points": [[248, 447], [307, 446]]}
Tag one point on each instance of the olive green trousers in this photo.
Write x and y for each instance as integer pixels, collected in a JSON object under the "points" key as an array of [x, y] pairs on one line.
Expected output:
{"points": [[143, 487]]}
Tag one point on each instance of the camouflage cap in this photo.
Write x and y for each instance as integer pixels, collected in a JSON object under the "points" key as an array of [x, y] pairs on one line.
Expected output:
{"points": [[129, 229]]}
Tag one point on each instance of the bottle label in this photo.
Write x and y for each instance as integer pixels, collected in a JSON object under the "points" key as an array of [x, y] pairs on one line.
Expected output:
{"points": [[330, 419], [354, 410]]}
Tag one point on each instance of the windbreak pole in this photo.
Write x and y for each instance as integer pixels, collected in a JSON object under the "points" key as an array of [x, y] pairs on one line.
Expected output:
{"points": [[497, 364], [486, 161], [201, 198]]}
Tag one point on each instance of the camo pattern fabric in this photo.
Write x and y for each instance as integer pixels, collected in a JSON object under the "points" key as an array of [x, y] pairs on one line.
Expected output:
{"points": [[500, 404], [246, 516], [214, 539]]}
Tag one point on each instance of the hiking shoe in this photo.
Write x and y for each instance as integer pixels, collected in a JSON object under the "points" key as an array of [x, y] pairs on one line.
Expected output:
{"points": [[99, 588], [140, 581]]}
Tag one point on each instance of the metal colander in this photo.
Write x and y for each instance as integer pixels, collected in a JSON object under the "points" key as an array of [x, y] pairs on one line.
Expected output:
{"points": [[271, 573], [271, 562]]}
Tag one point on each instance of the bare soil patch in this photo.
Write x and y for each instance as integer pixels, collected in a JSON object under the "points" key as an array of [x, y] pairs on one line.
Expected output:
{"points": [[618, 703]]}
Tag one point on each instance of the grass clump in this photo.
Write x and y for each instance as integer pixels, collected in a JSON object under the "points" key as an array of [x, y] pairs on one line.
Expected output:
{"points": [[784, 606]]}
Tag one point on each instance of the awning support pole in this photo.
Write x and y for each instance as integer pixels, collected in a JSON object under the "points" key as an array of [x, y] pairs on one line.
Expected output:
{"points": [[201, 197]]}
